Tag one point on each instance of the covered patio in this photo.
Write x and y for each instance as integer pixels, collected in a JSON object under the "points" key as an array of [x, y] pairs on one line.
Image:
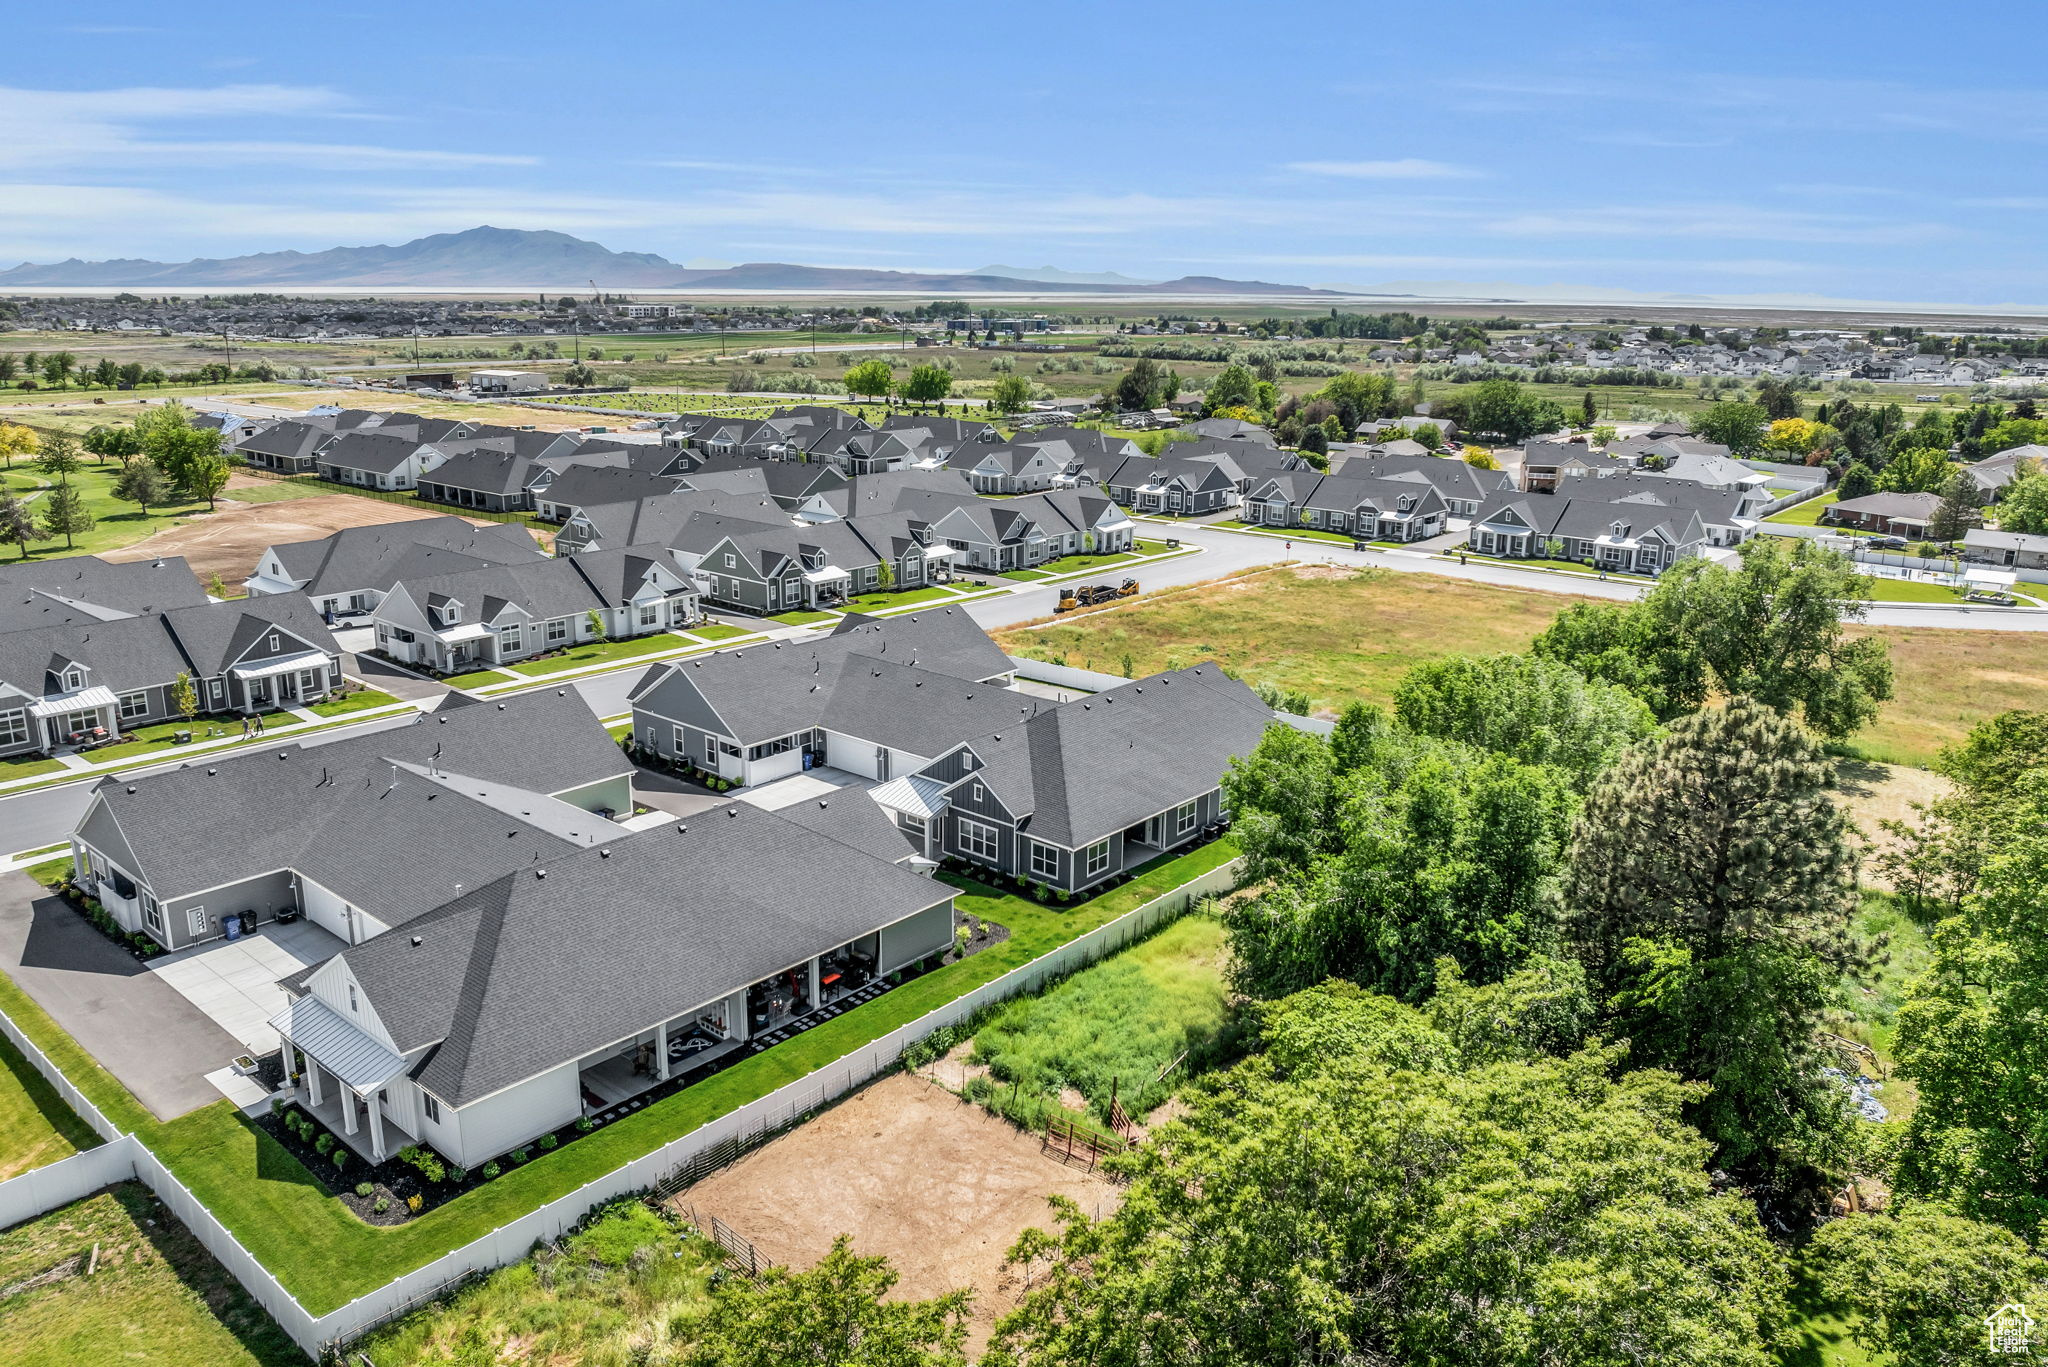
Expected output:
{"points": [[83, 716], [344, 1074], [289, 678]]}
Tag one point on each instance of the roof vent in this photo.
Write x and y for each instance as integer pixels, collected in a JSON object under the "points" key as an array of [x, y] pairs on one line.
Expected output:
{"points": [[732, 811], [540, 873], [682, 829], [416, 942], [131, 790], [211, 772], [821, 804], [501, 707], [604, 854]]}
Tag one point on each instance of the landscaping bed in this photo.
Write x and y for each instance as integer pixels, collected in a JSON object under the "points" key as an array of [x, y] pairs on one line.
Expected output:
{"points": [[85, 904]]}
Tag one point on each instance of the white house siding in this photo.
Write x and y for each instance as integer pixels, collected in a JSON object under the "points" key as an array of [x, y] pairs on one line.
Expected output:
{"points": [[771, 767], [484, 1129], [609, 794], [857, 756], [912, 938]]}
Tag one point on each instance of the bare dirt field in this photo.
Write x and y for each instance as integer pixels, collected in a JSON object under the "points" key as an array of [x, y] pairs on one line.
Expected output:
{"points": [[1872, 793], [228, 542], [937, 1184]]}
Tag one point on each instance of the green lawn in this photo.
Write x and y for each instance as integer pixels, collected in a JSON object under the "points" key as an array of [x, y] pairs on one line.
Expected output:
{"points": [[1805, 514], [1070, 564], [17, 767], [1911, 591], [326, 1257], [476, 678], [1023, 576], [361, 700], [601, 652], [803, 617], [1110, 1029], [155, 1299], [274, 491], [718, 631], [155, 739], [897, 598], [36, 1127], [1297, 533], [115, 523]]}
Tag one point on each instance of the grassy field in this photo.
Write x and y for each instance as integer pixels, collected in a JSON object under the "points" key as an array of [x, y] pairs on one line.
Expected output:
{"points": [[1342, 634], [325, 1256], [115, 523], [155, 1295], [1333, 633], [1112, 1028], [36, 1127], [1805, 514], [618, 1293]]}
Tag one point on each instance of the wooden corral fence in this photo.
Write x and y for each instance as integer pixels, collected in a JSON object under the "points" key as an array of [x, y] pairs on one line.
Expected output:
{"points": [[1067, 1141]]}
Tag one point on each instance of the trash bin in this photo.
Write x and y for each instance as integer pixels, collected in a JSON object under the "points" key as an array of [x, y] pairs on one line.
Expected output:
{"points": [[231, 926]]}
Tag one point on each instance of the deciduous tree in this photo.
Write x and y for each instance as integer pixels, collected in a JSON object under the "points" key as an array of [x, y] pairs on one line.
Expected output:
{"points": [[928, 384], [834, 1313], [142, 484], [2024, 505], [870, 379], [1920, 1281], [1532, 709], [1737, 426]]}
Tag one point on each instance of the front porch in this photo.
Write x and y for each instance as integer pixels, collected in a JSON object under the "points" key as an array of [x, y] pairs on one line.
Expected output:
{"points": [[373, 1136], [344, 1076]]}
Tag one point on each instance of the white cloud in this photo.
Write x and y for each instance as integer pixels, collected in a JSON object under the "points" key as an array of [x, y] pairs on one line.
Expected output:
{"points": [[1404, 168]]}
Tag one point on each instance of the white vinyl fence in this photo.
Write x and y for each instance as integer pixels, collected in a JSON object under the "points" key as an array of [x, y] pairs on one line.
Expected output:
{"points": [[125, 1156]]}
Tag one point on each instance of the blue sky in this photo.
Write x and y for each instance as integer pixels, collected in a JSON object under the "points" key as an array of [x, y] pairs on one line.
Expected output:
{"points": [[1889, 153]]}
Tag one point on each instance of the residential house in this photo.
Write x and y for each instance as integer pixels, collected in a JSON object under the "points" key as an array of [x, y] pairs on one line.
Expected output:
{"points": [[1073, 794], [2019, 550], [1006, 469], [348, 572], [79, 683], [1889, 514], [1994, 473], [1464, 486], [290, 447], [1172, 486], [377, 460], [1622, 523], [499, 614], [1232, 429], [1545, 464], [77, 590], [994, 535]]}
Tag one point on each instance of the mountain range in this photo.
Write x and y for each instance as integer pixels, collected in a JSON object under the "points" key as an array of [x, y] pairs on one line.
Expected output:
{"points": [[509, 258]]}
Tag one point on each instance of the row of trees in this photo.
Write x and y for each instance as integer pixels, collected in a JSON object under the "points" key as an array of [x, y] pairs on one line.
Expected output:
{"points": [[163, 459]]}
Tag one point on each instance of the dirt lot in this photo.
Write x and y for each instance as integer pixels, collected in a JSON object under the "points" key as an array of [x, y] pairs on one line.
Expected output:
{"points": [[1884, 792], [911, 1171], [229, 541]]}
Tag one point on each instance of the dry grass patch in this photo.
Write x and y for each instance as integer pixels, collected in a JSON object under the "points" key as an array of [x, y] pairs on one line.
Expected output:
{"points": [[1949, 680], [1332, 632]]}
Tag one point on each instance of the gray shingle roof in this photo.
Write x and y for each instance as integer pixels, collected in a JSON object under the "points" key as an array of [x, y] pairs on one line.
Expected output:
{"points": [[85, 588], [570, 955], [376, 556]]}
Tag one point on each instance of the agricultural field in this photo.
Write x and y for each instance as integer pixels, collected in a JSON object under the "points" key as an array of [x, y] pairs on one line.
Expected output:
{"points": [[1340, 634], [153, 1294]]}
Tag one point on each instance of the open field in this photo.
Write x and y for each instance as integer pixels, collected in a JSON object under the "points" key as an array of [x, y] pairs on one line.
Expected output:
{"points": [[598, 1300], [36, 1127], [115, 523], [229, 542], [1334, 633], [155, 1295], [1341, 634], [937, 1184]]}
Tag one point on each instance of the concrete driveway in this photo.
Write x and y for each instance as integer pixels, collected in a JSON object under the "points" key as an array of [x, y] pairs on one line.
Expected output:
{"points": [[234, 982], [137, 1025]]}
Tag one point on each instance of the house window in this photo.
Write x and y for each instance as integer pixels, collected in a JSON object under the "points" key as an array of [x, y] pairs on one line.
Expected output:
{"points": [[74, 678], [558, 630], [1095, 859], [710, 749], [152, 915], [729, 561], [1184, 818], [220, 690], [80, 721], [452, 613], [978, 839], [508, 638], [134, 705], [1045, 860], [911, 825], [352, 997], [14, 728], [650, 615], [429, 1107], [273, 643], [977, 792]]}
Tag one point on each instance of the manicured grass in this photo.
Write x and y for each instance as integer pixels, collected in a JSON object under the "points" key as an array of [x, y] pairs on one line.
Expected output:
{"points": [[42, 852], [17, 767], [1806, 514], [361, 700], [1578, 567], [156, 1297], [1911, 591], [476, 678], [36, 1127], [155, 739], [1295, 533], [274, 491], [897, 598], [803, 617], [326, 1257], [718, 631], [591, 1301], [1023, 576], [601, 652], [1070, 564], [1335, 634], [1112, 1028], [115, 523]]}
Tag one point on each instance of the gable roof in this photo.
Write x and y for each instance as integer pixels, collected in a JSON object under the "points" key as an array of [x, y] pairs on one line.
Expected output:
{"points": [[84, 588], [378, 555]]}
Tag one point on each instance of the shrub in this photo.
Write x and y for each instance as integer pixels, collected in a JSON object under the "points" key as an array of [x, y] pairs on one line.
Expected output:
{"points": [[277, 1105], [339, 1158], [518, 1156], [491, 1169], [324, 1145], [548, 1142], [414, 1202], [458, 1174], [364, 1188], [584, 1124], [383, 1204]]}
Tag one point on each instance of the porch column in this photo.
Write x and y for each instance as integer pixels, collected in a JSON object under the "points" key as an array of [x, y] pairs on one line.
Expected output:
{"points": [[376, 1127], [348, 1108], [313, 1078], [661, 1051], [814, 982]]}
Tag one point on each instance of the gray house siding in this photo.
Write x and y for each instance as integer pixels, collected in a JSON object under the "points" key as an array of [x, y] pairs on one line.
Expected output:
{"points": [[264, 896]]}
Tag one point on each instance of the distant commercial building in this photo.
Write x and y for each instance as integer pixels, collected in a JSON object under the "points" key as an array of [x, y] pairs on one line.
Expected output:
{"points": [[507, 382]]}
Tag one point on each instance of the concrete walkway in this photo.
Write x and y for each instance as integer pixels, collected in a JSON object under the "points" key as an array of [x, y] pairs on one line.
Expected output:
{"points": [[138, 1026]]}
